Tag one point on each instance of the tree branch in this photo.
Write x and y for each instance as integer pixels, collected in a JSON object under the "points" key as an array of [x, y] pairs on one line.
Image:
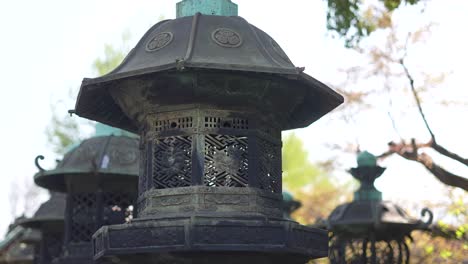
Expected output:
{"points": [[447, 153], [416, 96], [410, 152], [443, 175]]}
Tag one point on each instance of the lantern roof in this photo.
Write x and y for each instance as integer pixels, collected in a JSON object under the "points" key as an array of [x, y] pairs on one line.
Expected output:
{"points": [[19, 234], [368, 212], [172, 49], [50, 214], [18, 245], [97, 157], [387, 219]]}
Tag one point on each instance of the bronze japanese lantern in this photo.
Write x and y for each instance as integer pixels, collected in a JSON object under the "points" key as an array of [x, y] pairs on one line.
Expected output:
{"points": [[49, 221], [99, 177], [209, 96], [369, 230]]}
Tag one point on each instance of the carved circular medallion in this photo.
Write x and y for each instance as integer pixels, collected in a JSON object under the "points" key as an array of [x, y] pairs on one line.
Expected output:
{"points": [[279, 51], [226, 37], [159, 41]]}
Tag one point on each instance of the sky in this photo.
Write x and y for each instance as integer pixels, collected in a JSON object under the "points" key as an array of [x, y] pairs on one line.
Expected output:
{"points": [[47, 47]]}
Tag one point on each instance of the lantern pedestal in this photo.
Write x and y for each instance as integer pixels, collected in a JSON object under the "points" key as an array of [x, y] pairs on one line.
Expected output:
{"points": [[204, 239]]}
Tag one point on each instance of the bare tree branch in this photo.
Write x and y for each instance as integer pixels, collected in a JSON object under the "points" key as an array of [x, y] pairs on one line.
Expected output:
{"points": [[447, 153], [445, 176], [410, 151], [416, 96]]}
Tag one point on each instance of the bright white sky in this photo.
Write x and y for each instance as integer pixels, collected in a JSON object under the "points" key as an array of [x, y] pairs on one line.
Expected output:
{"points": [[48, 46]]}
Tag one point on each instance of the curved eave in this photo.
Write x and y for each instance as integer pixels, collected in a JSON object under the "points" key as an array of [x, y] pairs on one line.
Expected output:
{"points": [[95, 102], [54, 180], [40, 222]]}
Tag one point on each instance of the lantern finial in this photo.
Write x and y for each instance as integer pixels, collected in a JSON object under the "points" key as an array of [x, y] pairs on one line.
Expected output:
{"points": [[206, 7], [366, 173]]}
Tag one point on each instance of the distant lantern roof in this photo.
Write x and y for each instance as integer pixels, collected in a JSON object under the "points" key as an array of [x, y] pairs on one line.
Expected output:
{"points": [[50, 214], [105, 156], [173, 51], [387, 219], [368, 212]]}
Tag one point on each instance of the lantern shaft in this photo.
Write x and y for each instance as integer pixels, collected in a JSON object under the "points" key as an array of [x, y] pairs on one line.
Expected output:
{"points": [[206, 7]]}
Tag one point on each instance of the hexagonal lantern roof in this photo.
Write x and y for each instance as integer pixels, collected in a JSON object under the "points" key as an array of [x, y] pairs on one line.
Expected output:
{"points": [[387, 219], [197, 44], [368, 211], [94, 159], [50, 215]]}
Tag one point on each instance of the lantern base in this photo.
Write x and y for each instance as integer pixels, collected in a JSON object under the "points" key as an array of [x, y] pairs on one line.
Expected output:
{"points": [[201, 239]]}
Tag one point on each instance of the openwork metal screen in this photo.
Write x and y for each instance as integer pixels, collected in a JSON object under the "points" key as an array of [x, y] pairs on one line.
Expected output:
{"points": [[116, 208], [212, 148], [364, 251], [172, 162], [226, 161], [83, 218], [270, 165]]}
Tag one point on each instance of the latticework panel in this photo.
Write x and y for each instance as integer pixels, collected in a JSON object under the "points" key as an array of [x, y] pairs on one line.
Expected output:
{"points": [[225, 122], [364, 251], [83, 217], [174, 123], [172, 165], [269, 166], [118, 208], [226, 161]]}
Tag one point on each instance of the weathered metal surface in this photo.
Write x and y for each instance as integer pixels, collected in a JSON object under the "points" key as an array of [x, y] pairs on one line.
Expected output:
{"points": [[206, 7], [50, 215], [369, 230], [107, 159], [215, 60], [213, 170], [18, 245], [209, 96], [49, 219], [100, 178]]}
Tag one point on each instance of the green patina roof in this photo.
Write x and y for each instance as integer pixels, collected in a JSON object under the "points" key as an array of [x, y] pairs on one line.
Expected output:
{"points": [[105, 130], [206, 7]]}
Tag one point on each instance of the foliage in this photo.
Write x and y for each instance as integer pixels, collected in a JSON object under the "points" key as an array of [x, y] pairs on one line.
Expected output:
{"points": [[353, 20], [112, 56], [308, 183], [64, 130], [448, 242], [402, 88]]}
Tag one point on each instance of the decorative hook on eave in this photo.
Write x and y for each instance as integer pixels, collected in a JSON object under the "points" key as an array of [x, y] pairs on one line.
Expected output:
{"points": [[36, 161], [300, 69], [424, 212]]}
